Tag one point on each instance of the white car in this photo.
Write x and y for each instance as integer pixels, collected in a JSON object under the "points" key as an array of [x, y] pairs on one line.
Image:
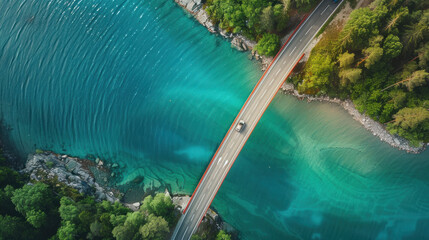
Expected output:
{"points": [[240, 126]]}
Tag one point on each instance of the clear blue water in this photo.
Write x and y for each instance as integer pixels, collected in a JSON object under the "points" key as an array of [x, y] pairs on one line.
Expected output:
{"points": [[140, 83]]}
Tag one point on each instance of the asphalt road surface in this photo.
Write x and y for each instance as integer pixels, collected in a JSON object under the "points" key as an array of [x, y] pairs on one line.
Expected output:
{"points": [[250, 113]]}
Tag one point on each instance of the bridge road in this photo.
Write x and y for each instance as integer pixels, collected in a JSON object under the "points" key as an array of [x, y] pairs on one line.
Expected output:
{"points": [[251, 112]]}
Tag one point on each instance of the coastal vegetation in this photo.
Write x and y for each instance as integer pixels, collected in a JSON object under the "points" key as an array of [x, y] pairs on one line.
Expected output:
{"points": [[379, 59], [49, 209], [260, 20]]}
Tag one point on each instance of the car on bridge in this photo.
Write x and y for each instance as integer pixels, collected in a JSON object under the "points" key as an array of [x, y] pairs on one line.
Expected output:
{"points": [[240, 126]]}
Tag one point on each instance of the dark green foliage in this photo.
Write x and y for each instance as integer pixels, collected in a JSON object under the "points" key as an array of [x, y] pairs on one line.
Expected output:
{"points": [[160, 205], [411, 123], [253, 18], [156, 228], [14, 228], [34, 202], [222, 235], [269, 45], [392, 46], [382, 65], [9, 176]]}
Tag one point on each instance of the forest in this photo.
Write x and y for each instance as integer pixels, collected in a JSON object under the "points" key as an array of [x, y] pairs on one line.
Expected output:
{"points": [[260, 20], [50, 209], [379, 60]]}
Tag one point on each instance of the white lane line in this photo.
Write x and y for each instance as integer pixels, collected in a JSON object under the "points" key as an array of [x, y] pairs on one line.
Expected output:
{"points": [[292, 51], [218, 160], [264, 92], [185, 232], [284, 62], [192, 217], [225, 163], [201, 200], [324, 10], [308, 30], [277, 73]]}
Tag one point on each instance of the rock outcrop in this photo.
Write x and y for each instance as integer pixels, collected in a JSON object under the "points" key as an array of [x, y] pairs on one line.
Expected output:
{"points": [[68, 170]]}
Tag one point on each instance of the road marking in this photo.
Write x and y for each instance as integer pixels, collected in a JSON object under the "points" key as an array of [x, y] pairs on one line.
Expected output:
{"points": [[192, 216], [218, 160], [324, 10], [284, 62], [185, 232], [278, 72], [308, 31], [292, 51], [225, 163], [264, 92], [201, 201]]}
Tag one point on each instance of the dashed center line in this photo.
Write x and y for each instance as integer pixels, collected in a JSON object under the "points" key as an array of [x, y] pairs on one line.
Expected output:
{"points": [[277, 73], [192, 217], [324, 10], [264, 92], [185, 232], [292, 51], [308, 30], [225, 163]]}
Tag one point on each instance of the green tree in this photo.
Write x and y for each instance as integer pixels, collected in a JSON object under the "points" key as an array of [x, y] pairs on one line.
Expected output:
{"points": [[155, 229], [361, 26], [392, 46], [267, 19], [268, 45], [350, 75], [33, 201], [417, 31], [423, 54], [417, 79], [160, 205], [14, 228], [67, 231], [130, 227], [346, 59], [68, 211], [317, 74], [37, 218], [222, 235], [373, 55], [411, 123]]}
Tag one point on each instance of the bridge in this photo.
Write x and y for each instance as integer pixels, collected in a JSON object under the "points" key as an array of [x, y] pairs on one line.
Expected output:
{"points": [[253, 109]]}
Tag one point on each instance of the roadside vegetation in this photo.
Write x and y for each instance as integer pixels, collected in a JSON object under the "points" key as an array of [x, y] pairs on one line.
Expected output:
{"points": [[52, 210], [379, 59], [260, 20]]}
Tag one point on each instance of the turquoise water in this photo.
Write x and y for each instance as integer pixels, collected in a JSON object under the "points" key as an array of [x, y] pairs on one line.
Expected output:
{"points": [[140, 83]]}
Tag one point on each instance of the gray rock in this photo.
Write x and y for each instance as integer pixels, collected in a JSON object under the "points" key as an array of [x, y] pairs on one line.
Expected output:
{"points": [[68, 171], [236, 43]]}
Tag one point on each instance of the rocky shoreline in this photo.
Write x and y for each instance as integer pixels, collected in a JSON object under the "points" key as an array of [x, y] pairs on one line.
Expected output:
{"points": [[377, 129], [238, 41], [82, 175]]}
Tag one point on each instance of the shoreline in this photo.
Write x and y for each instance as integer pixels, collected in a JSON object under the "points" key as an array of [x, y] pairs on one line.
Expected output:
{"points": [[96, 178], [241, 43], [377, 129]]}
